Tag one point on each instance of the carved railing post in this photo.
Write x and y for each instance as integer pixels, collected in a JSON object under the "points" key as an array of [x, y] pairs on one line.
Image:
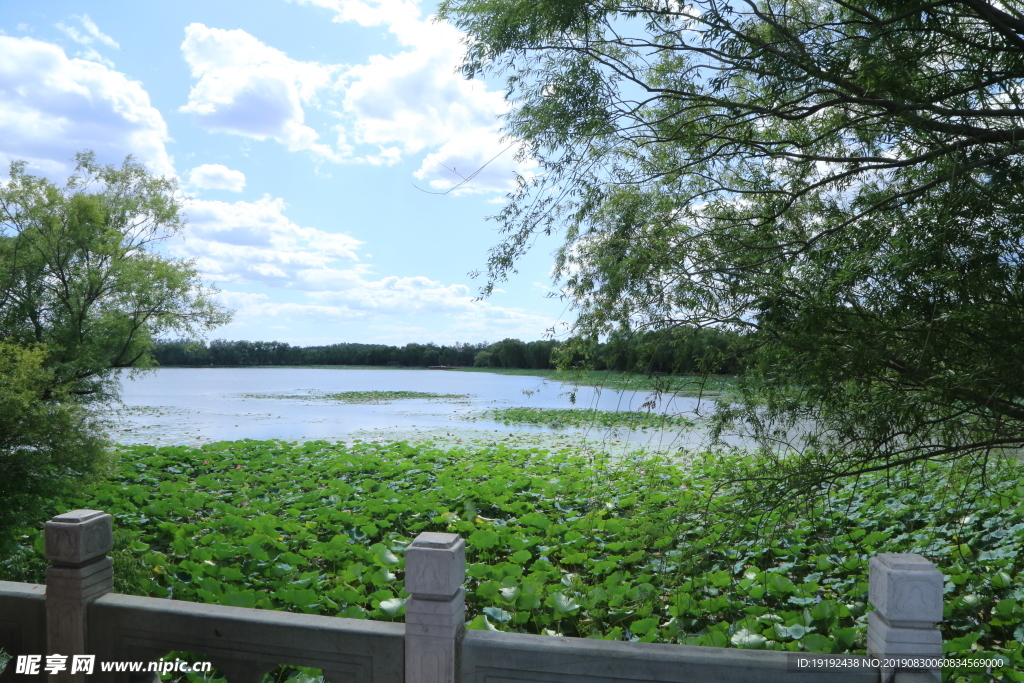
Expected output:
{"points": [[77, 544], [435, 567], [906, 591]]}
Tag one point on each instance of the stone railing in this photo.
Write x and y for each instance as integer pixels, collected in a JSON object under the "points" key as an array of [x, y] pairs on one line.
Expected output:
{"points": [[76, 613]]}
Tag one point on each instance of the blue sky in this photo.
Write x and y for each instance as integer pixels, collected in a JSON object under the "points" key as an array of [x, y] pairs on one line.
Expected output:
{"points": [[303, 134]]}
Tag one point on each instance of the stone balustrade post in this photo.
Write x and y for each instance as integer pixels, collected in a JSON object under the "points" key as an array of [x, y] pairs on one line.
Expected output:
{"points": [[77, 544], [435, 567], [906, 591]]}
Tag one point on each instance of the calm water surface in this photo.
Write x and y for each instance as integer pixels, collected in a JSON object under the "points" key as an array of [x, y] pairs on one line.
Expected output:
{"points": [[197, 405]]}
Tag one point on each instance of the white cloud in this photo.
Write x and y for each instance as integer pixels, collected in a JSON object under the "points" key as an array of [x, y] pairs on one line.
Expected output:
{"points": [[397, 295], [414, 100], [417, 100], [248, 88], [257, 309], [474, 163], [52, 106], [389, 108], [476, 322], [248, 242], [216, 177], [400, 13], [255, 244], [93, 56], [91, 34]]}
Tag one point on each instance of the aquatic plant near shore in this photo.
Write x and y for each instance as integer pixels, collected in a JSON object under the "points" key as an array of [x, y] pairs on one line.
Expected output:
{"points": [[583, 417], [366, 396], [636, 549]]}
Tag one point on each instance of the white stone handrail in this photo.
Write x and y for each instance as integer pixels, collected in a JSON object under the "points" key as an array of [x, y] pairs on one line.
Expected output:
{"points": [[246, 643], [76, 613]]}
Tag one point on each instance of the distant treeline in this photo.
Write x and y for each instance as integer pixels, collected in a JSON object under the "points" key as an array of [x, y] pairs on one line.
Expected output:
{"points": [[673, 352]]}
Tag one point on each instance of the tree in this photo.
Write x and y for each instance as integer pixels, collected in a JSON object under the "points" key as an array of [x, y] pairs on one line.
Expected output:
{"points": [[83, 294], [838, 181], [46, 437]]}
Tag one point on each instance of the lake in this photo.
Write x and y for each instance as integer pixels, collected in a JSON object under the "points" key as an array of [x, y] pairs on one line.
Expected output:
{"points": [[198, 405]]}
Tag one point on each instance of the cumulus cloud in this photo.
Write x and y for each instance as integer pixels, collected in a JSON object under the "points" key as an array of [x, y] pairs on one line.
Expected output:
{"points": [[390, 107], [248, 88], [255, 243], [258, 308], [94, 56], [52, 106], [403, 14], [477, 162], [216, 177], [248, 242], [89, 33], [475, 321], [401, 295], [415, 99]]}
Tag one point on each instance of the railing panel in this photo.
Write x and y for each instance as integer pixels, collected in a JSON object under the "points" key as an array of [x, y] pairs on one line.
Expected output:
{"points": [[22, 621], [77, 615], [493, 657], [242, 642]]}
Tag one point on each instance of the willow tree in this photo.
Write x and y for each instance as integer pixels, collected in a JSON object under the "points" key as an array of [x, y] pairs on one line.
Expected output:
{"points": [[838, 180], [84, 293]]}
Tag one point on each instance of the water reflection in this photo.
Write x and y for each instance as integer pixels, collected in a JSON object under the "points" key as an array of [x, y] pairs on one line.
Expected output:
{"points": [[198, 405]]}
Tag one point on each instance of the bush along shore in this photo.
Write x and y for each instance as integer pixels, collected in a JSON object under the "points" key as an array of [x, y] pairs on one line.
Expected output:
{"points": [[677, 351], [641, 549]]}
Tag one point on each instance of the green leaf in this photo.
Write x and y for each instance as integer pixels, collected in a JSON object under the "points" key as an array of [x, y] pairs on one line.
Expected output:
{"points": [[530, 598], [825, 609], [972, 600], [845, 637], [478, 570], [815, 642], [480, 623], [386, 557], [1002, 580], [353, 612], [393, 607], [563, 605], [644, 626], [509, 593], [484, 539], [961, 550], [257, 552], [536, 520], [720, 579], [382, 576], [1005, 608], [521, 556], [230, 573], [497, 614], [748, 639], [777, 583], [238, 598], [796, 631]]}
